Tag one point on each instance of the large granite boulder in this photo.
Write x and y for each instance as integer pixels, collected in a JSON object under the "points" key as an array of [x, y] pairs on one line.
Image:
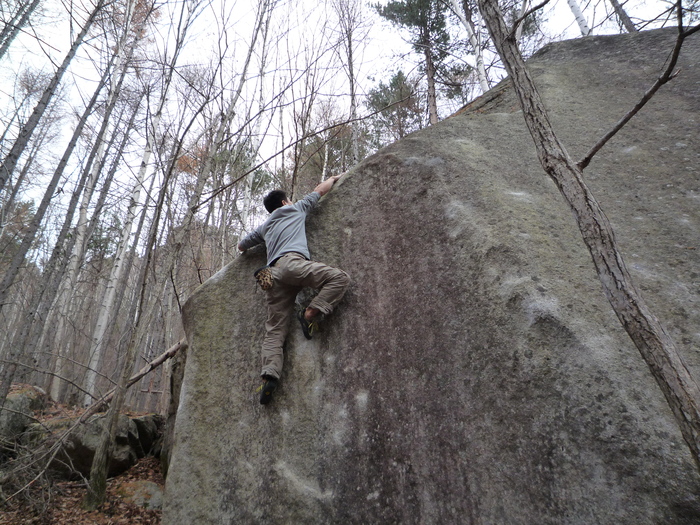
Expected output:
{"points": [[475, 372]]}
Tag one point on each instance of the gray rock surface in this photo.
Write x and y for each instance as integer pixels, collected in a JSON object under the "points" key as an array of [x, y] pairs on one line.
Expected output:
{"points": [[150, 431], [475, 372], [80, 447], [135, 438], [18, 412]]}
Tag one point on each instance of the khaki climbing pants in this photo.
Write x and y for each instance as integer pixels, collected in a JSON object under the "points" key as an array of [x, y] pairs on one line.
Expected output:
{"points": [[291, 273]]}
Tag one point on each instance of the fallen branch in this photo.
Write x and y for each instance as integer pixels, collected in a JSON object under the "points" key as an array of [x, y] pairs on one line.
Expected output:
{"points": [[162, 358], [94, 408]]}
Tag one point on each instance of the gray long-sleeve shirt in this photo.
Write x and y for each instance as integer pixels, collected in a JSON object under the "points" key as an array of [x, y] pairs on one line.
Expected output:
{"points": [[284, 231]]}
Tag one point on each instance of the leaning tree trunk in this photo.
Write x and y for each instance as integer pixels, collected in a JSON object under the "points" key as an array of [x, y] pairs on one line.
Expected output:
{"points": [[10, 161], [653, 343], [578, 15], [623, 17], [15, 26]]}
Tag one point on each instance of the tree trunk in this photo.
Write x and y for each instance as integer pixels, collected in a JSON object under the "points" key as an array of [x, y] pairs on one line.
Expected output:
{"points": [[623, 17], [430, 74], [353, 106], [14, 26], [10, 161], [118, 272], [93, 167], [100, 463], [580, 19], [655, 346], [465, 17], [256, 135], [6, 207], [65, 306]]}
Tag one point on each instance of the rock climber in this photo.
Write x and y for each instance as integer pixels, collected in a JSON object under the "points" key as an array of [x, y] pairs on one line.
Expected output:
{"points": [[288, 270]]}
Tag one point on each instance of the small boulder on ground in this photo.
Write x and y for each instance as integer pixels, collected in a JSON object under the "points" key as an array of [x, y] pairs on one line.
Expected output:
{"points": [[18, 412], [135, 439], [143, 493]]}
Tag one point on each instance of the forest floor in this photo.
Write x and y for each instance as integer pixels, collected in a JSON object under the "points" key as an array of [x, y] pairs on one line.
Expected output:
{"points": [[64, 505], [59, 502]]}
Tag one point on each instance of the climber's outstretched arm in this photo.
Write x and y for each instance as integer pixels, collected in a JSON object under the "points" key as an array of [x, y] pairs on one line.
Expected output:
{"points": [[326, 185]]}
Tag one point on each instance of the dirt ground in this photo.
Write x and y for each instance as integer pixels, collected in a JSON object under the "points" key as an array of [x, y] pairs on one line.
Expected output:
{"points": [[63, 506], [59, 502]]}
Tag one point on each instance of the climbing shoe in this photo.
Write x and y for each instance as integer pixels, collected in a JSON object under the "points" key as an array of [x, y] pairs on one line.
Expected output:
{"points": [[308, 327], [268, 387]]}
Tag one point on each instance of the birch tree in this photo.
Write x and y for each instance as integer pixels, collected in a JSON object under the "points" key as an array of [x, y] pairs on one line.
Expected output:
{"points": [[465, 14], [655, 346], [121, 262], [352, 30], [15, 22], [623, 17], [580, 19], [10, 161]]}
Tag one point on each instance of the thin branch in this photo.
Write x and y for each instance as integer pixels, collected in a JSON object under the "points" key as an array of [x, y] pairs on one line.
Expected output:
{"points": [[94, 408], [667, 75], [162, 358], [47, 372], [291, 145], [520, 20], [690, 31]]}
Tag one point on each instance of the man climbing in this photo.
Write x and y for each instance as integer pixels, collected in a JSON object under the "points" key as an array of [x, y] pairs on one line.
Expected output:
{"points": [[290, 270]]}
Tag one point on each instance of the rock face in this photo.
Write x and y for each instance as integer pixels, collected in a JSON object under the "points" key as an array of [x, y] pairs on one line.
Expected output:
{"points": [[475, 372]]}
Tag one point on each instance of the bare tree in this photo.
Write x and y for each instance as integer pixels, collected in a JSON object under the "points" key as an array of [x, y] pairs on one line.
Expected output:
{"points": [[353, 30], [10, 162], [623, 17], [100, 463], [17, 21], [121, 260], [465, 15], [652, 341], [580, 19], [65, 306], [20, 256], [98, 471]]}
